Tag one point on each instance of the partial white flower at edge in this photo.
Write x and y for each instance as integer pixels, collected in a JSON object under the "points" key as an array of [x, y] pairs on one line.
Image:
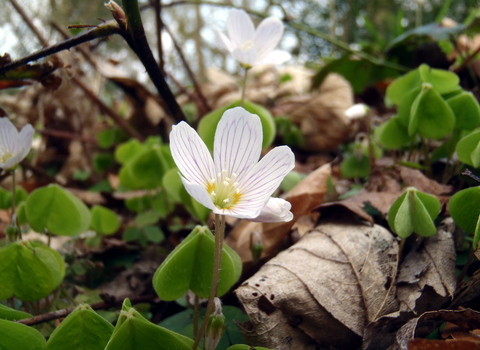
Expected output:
{"points": [[253, 47], [235, 182], [14, 146]]}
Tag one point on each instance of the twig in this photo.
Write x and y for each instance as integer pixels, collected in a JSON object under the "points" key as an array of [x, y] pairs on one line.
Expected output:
{"points": [[67, 135], [97, 306], [139, 44], [205, 106], [467, 60], [102, 30], [343, 45], [29, 22], [110, 112], [160, 26]]}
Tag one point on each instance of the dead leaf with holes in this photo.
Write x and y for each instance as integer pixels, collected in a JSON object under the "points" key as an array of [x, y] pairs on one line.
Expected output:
{"points": [[426, 278], [304, 197], [322, 291]]}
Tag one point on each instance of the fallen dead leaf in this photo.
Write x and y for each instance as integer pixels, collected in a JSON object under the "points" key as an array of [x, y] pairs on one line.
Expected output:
{"points": [[426, 344], [323, 290], [385, 190], [426, 278], [303, 197], [452, 331], [427, 322]]}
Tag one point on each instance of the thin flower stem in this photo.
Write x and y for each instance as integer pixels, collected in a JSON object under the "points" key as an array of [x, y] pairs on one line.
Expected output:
{"points": [[14, 199], [426, 158], [371, 152], [195, 316], [217, 263], [244, 87], [12, 302]]}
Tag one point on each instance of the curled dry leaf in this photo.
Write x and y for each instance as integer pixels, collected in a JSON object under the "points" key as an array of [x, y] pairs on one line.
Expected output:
{"points": [[426, 278], [386, 192], [427, 322], [323, 290], [303, 197]]}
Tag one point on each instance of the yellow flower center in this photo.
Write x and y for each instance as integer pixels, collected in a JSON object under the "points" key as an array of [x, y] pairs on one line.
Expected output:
{"points": [[224, 190], [247, 45], [4, 155]]}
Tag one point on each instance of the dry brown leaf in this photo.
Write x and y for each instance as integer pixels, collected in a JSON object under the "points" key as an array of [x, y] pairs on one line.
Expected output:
{"points": [[323, 290], [427, 322], [321, 114], [427, 344], [415, 178], [452, 331], [304, 197], [390, 190], [426, 278]]}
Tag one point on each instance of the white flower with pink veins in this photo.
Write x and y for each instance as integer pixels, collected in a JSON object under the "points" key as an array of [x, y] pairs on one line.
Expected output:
{"points": [[14, 146], [235, 182], [253, 47]]}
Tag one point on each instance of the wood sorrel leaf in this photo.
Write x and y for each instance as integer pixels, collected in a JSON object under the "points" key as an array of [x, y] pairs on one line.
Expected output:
{"points": [[17, 336], [83, 329], [414, 211], [104, 220], [405, 105], [174, 187], [128, 150], [208, 124], [58, 211], [466, 110], [145, 170], [464, 207], [29, 271], [431, 116], [441, 80], [392, 134], [134, 332], [352, 167], [402, 86], [467, 149], [10, 314], [190, 266]]}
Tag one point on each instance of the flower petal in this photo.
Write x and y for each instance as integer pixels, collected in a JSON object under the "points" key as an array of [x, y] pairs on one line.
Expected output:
{"points": [[24, 142], [238, 142], [199, 193], [8, 134], [248, 57], [223, 38], [191, 155], [267, 36], [264, 178], [239, 27], [276, 210], [275, 57]]}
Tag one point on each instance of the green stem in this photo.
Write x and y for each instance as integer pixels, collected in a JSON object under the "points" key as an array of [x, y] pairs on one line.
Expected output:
{"points": [[195, 316], [244, 87], [371, 151], [426, 158], [217, 263], [14, 199]]}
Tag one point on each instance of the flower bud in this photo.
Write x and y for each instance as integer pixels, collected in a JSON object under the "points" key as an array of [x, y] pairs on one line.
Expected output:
{"points": [[215, 327], [117, 13], [357, 111]]}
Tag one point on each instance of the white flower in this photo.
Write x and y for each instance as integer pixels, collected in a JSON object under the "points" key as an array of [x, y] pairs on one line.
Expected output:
{"points": [[357, 111], [276, 210], [235, 183], [252, 47], [14, 146]]}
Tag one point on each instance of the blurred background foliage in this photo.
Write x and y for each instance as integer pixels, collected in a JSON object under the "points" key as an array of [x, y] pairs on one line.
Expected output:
{"points": [[363, 25]]}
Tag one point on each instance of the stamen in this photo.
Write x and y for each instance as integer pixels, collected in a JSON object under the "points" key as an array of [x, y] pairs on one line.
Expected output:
{"points": [[225, 183], [226, 200], [213, 193]]}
